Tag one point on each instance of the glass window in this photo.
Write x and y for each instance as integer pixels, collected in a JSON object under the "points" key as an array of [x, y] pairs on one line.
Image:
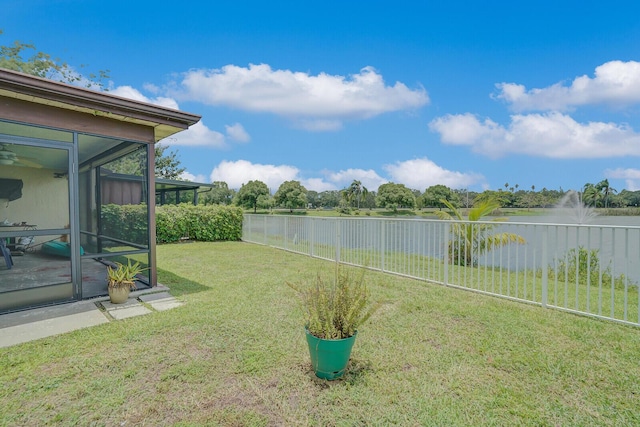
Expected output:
{"points": [[35, 265], [113, 195], [30, 131]]}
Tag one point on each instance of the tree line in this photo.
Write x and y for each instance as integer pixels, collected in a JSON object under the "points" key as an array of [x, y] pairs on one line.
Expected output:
{"points": [[292, 195]]}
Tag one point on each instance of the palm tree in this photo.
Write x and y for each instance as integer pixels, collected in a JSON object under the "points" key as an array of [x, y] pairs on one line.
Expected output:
{"points": [[591, 195], [470, 241], [356, 190], [605, 190]]}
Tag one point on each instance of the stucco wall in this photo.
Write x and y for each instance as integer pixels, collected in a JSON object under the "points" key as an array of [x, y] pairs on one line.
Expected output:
{"points": [[44, 201]]}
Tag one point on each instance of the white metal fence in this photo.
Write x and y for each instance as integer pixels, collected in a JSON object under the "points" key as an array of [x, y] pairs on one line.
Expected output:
{"points": [[587, 269]]}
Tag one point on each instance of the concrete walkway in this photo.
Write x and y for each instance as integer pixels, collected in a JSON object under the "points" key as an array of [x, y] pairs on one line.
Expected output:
{"points": [[29, 325]]}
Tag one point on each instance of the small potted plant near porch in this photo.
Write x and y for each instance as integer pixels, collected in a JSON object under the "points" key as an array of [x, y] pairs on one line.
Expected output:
{"points": [[121, 279], [334, 310]]}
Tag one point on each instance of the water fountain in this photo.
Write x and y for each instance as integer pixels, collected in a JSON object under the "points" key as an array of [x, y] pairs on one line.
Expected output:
{"points": [[571, 207]]}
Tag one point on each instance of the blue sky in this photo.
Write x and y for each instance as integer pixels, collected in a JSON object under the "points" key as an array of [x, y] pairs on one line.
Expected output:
{"points": [[467, 94]]}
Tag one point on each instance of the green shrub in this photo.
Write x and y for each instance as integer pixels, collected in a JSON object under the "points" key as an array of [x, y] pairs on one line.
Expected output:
{"points": [[202, 223], [583, 266], [125, 222], [173, 223]]}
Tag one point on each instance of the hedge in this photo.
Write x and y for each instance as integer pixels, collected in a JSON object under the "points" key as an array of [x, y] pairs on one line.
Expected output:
{"points": [[174, 223], [203, 223]]}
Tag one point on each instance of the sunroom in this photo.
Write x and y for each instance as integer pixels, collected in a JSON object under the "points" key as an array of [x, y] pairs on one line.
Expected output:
{"points": [[58, 231]]}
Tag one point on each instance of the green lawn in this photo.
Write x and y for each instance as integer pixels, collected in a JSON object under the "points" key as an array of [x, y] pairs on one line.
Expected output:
{"points": [[235, 354]]}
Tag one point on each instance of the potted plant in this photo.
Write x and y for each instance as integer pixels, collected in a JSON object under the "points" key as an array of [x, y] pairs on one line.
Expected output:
{"points": [[121, 279], [334, 310]]}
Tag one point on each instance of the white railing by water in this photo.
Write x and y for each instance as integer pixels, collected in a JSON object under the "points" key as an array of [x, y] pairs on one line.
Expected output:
{"points": [[592, 270]]}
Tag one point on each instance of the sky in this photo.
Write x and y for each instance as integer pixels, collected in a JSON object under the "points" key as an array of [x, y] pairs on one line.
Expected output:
{"points": [[469, 94]]}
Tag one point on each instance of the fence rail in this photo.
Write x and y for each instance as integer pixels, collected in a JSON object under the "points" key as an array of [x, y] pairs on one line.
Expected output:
{"points": [[592, 270]]}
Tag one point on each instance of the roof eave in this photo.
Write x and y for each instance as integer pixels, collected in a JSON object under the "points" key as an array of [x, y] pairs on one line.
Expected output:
{"points": [[165, 121]]}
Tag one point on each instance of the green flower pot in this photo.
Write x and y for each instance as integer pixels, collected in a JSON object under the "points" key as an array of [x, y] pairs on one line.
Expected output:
{"points": [[329, 358]]}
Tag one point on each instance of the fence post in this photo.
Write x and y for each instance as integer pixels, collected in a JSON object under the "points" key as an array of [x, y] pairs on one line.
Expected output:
{"points": [[382, 243], [447, 232], [338, 240], [313, 236], [545, 264], [286, 231], [265, 230]]}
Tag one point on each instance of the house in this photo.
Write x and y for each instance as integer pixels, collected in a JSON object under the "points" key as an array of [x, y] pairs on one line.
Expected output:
{"points": [[56, 142]]}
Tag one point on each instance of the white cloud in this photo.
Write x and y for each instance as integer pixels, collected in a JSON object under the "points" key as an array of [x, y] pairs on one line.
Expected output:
{"points": [[631, 177], [466, 129], [314, 102], [318, 184], [614, 82], [237, 133], [132, 93], [552, 135], [422, 173], [418, 174], [242, 171], [150, 87], [193, 178], [197, 135], [368, 177]]}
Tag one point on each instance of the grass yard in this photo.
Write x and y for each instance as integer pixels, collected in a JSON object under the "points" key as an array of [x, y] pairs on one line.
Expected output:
{"points": [[235, 355]]}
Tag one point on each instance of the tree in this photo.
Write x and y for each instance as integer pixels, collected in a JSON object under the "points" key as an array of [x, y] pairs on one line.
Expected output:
{"points": [[291, 194], [591, 195], [220, 194], [630, 198], [312, 199], [434, 195], [329, 199], [265, 201], [466, 196], [248, 195], [25, 58], [166, 165], [393, 196], [470, 241], [355, 191], [369, 200], [41, 64], [606, 191], [500, 197]]}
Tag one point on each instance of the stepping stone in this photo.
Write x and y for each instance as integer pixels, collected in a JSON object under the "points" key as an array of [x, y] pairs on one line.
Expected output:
{"points": [[165, 304], [155, 296], [130, 308], [161, 301], [130, 311]]}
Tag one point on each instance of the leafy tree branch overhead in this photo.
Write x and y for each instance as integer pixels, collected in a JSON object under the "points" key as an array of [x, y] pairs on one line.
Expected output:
{"points": [[26, 58]]}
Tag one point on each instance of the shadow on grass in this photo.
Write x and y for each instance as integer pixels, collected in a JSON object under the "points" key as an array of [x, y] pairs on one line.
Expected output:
{"points": [[179, 285], [352, 376]]}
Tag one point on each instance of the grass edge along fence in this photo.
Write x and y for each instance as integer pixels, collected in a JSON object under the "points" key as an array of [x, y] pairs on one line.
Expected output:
{"points": [[582, 269]]}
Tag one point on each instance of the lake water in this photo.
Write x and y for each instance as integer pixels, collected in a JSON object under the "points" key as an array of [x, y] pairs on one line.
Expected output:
{"points": [[616, 238], [563, 219]]}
